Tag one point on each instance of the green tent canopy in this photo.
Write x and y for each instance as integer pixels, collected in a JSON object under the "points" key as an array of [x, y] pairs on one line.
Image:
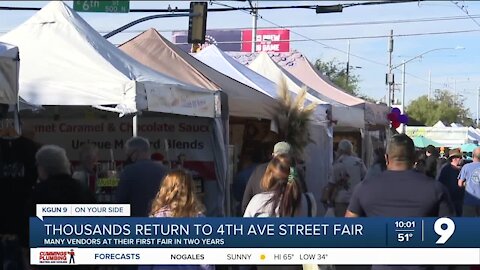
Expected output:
{"points": [[423, 142], [468, 147]]}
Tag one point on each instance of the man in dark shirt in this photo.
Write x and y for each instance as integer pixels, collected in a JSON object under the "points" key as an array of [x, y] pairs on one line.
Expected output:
{"points": [[139, 181], [18, 175], [249, 162], [448, 176], [431, 161], [400, 191], [56, 186]]}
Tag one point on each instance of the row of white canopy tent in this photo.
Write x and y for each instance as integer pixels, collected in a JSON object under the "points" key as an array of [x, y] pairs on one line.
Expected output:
{"points": [[345, 116], [319, 154], [295, 66], [66, 62], [264, 75], [219, 60], [249, 94], [350, 113]]}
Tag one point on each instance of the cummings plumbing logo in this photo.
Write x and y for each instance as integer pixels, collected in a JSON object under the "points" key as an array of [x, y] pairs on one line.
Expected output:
{"points": [[57, 257]]}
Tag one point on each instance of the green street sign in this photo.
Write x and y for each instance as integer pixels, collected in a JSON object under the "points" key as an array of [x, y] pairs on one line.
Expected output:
{"points": [[102, 6]]}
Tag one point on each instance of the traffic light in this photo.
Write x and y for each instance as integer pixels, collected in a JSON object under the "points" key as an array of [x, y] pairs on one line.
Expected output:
{"points": [[197, 23], [329, 9]]}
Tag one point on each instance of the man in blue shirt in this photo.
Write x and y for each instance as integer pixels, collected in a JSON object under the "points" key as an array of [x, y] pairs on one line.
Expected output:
{"points": [[470, 179]]}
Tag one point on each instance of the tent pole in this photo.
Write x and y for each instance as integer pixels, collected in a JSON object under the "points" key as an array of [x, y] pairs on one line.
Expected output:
{"points": [[16, 121], [17, 104], [134, 125]]}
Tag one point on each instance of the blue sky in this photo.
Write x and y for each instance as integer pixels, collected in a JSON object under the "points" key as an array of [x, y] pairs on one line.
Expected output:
{"points": [[446, 66]]}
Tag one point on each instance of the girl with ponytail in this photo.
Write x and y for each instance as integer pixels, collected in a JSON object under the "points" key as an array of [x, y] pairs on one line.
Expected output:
{"points": [[284, 195]]}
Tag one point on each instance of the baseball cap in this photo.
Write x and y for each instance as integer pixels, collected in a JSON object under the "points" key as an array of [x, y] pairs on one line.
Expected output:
{"points": [[281, 148]]}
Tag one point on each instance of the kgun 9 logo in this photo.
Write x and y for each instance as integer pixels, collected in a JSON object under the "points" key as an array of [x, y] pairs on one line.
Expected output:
{"points": [[445, 228]]}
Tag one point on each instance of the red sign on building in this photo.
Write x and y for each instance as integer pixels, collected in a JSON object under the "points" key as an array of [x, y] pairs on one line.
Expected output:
{"points": [[268, 40]]}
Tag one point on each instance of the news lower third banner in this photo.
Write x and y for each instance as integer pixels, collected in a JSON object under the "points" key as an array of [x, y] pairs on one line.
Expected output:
{"points": [[105, 235]]}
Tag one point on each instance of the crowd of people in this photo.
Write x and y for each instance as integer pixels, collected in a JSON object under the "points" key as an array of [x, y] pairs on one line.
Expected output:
{"points": [[398, 184], [147, 185]]}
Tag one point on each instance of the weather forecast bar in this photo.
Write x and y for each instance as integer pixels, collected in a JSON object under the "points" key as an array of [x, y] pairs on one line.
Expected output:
{"points": [[258, 256]]}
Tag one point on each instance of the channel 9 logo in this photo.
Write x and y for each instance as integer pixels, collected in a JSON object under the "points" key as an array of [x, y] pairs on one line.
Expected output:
{"points": [[445, 228]]}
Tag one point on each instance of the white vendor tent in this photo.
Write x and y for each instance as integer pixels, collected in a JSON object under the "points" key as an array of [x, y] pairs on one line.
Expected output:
{"points": [[66, 62], [439, 124], [319, 154], [299, 66], [445, 136], [347, 117], [219, 60], [9, 68]]}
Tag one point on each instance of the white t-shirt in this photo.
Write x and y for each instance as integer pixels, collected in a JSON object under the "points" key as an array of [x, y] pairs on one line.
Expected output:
{"points": [[258, 206]]}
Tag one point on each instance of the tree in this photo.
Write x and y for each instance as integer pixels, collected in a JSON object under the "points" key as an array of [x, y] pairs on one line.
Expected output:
{"points": [[444, 106], [338, 75]]}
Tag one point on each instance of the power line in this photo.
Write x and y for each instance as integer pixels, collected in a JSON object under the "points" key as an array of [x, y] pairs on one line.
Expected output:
{"points": [[383, 2], [339, 50], [340, 24], [169, 10], [301, 40], [316, 41], [422, 79], [466, 12], [353, 37], [230, 8], [398, 21]]}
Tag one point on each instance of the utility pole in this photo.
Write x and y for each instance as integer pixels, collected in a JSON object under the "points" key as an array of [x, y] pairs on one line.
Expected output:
{"points": [[254, 26], [348, 64], [429, 84], [403, 93], [455, 87], [390, 79], [478, 104]]}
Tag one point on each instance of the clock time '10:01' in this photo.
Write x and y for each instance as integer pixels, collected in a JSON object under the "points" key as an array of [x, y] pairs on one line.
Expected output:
{"points": [[404, 224]]}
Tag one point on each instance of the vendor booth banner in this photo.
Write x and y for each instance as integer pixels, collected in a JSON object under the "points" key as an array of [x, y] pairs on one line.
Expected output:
{"points": [[171, 138], [446, 136], [176, 100]]}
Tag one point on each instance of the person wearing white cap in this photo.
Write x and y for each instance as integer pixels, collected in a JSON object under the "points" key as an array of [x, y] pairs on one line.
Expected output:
{"points": [[253, 186]]}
